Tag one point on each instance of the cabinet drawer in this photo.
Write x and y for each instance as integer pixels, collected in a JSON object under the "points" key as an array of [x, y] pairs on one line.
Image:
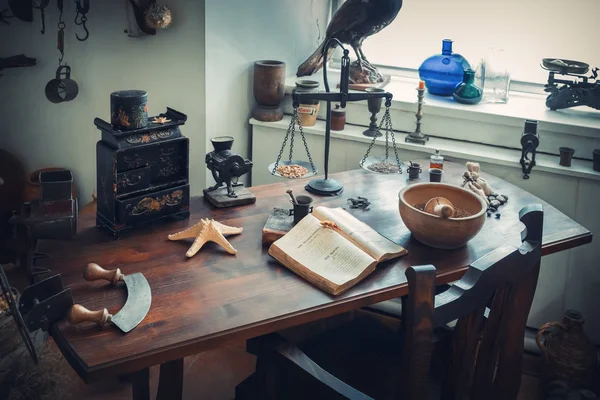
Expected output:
{"points": [[169, 169], [131, 181], [153, 205], [143, 156]]}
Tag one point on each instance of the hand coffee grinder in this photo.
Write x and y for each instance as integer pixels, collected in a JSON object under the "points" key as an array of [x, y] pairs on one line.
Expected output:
{"points": [[226, 168]]}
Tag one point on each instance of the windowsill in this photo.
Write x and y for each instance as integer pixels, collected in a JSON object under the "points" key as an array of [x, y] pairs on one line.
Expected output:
{"points": [[580, 121], [452, 149]]}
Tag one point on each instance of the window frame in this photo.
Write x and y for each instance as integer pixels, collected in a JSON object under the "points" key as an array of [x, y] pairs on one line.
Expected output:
{"points": [[413, 73]]}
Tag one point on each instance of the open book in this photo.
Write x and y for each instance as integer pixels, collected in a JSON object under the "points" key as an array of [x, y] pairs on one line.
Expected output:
{"points": [[333, 259]]}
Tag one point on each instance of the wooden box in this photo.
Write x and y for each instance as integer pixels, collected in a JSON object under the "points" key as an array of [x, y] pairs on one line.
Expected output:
{"points": [[143, 174]]}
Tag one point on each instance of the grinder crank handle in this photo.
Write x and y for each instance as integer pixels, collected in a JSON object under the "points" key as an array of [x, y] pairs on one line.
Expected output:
{"points": [[78, 314], [94, 272]]}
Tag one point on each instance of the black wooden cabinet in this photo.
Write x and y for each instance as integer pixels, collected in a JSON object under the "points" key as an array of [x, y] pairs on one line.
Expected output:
{"points": [[142, 175]]}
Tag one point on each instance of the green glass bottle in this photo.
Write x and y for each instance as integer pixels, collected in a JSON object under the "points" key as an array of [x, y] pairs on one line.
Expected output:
{"points": [[467, 92]]}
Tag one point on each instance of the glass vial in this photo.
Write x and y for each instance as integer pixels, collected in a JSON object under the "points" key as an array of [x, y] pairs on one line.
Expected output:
{"points": [[436, 160]]}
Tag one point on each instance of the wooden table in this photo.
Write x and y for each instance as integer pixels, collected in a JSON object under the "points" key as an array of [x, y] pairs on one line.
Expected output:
{"points": [[200, 303]]}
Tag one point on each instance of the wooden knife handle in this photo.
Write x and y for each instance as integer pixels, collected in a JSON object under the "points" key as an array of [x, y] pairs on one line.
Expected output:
{"points": [[79, 314], [94, 272]]}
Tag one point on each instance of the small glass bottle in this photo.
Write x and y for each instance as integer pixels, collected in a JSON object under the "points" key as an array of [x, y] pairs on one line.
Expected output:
{"points": [[436, 160], [467, 92]]}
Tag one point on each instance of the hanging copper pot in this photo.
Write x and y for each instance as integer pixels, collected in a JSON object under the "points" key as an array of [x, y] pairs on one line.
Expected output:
{"points": [[568, 353], [62, 88]]}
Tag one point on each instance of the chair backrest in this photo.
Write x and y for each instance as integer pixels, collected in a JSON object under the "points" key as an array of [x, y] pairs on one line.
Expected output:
{"points": [[487, 352]]}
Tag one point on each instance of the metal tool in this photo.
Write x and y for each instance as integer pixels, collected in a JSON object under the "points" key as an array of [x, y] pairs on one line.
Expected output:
{"points": [[139, 298], [530, 141], [42, 7], [45, 303], [226, 166], [577, 89], [82, 7]]}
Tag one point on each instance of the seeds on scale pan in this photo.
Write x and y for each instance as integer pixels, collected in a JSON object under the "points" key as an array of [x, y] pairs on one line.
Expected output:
{"points": [[291, 171], [384, 167]]}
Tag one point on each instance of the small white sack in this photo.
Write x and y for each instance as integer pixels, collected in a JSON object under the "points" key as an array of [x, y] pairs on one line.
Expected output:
{"points": [[474, 169], [470, 184]]}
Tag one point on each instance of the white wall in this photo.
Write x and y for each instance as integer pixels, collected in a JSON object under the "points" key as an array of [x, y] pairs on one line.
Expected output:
{"points": [[170, 66], [241, 32]]}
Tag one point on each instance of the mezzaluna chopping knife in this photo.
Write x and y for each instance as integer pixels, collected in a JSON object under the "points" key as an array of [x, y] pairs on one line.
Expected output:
{"points": [[133, 312]]}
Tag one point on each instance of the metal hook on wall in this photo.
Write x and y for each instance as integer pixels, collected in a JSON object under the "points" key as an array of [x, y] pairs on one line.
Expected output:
{"points": [[82, 7], [42, 7], [87, 33]]}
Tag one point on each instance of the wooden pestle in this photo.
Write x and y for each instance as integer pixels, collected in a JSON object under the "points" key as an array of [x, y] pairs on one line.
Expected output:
{"points": [[78, 314], [440, 206], [290, 192], [94, 272]]}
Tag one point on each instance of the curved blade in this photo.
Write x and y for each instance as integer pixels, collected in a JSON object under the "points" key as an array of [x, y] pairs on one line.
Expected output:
{"points": [[137, 305]]}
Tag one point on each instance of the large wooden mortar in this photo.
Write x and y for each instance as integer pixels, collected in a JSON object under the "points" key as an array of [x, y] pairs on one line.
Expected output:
{"points": [[435, 231]]}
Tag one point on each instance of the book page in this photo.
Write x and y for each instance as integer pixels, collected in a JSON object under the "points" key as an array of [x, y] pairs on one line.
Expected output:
{"points": [[322, 251], [377, 246]]}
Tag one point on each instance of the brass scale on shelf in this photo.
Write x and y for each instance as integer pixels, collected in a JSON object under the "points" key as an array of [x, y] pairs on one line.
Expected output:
{"points": [[329, 186]]}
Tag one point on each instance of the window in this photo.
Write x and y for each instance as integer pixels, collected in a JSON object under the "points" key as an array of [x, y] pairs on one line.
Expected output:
{"points": [[527, 31]]}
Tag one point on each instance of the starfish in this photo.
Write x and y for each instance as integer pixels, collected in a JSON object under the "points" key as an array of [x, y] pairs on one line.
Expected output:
{"points": [[160, 120], [207, 230]]}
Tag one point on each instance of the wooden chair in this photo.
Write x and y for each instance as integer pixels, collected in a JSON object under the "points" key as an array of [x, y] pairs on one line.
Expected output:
{"points": [[491, 303]]}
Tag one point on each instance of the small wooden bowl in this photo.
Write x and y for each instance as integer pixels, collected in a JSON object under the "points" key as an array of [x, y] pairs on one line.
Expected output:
{"points": [[434, 231]]}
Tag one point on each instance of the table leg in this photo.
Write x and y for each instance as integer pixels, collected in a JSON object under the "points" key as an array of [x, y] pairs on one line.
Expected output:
{"points": [[141, 384], [170, 384]]}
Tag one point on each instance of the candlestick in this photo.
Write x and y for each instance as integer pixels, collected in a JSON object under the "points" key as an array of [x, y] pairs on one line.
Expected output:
{"points": [[417, 136]]}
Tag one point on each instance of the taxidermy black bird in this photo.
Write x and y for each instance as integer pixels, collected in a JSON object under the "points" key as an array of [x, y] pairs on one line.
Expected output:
{"points": [[353, 22]]}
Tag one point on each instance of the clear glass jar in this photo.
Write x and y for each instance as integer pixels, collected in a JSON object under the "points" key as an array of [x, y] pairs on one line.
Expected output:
{"points": [[493, 77]]}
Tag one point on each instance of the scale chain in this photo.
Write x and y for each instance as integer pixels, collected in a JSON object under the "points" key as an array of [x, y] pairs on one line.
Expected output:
{"points": [[291, 130], [389, 129], [292, 141], [386, 121], [290, 134], [368, 151], [312, 165]]}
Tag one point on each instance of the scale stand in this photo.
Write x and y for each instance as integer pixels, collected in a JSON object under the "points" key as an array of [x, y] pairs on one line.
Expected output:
{"points": [[328, 186]]}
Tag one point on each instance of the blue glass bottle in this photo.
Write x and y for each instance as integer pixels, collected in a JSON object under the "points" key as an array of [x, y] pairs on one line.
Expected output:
{"points": [[442, 73], [467, 92]]}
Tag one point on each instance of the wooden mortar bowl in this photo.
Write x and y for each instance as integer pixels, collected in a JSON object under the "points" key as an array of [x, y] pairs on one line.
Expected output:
{"points": [[434, 231]]}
